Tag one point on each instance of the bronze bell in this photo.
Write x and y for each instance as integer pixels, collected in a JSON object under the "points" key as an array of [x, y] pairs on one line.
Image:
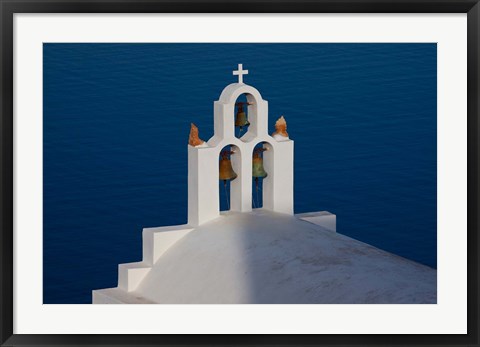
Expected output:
{"points": [[258, 170], [226, 169], [241, 117]]}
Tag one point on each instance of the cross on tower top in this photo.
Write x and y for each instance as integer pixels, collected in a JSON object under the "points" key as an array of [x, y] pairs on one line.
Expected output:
{"points": [[240, 72]]}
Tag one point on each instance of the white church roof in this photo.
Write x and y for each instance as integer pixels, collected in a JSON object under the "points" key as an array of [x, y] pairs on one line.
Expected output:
{"points": [[266, 257]]}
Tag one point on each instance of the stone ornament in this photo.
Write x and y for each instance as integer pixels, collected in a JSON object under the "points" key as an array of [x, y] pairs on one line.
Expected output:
{"points": [[193, 139], [280, 133]]}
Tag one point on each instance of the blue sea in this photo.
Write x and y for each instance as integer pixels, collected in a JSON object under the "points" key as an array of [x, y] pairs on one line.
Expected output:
{"points": [[116, 125]]}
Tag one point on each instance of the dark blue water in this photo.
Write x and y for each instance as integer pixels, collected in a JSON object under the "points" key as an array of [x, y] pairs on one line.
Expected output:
{"points": [[116, 124]]}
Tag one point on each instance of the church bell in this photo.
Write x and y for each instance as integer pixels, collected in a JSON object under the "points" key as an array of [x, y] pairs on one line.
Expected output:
{"points": [[226, 169], [241, 117], [258, 170]]}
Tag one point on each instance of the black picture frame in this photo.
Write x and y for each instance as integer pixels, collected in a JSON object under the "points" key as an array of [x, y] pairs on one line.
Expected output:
{"points": [[10, 7]]}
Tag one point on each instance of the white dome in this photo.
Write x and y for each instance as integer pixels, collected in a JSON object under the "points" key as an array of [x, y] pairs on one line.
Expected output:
{"points": [[264, 257]]}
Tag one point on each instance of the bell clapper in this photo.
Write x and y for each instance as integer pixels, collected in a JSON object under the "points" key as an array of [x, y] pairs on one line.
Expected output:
{"points": [[226, 193], [256, 188], [253, 202]]}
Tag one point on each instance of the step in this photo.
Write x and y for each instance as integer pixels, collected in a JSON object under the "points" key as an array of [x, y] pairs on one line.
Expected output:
{"points": [[324, 219], [131, 274], [156, 241]]}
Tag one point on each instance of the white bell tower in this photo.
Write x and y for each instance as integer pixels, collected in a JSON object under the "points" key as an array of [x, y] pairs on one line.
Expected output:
{"points": [[203, 161]]}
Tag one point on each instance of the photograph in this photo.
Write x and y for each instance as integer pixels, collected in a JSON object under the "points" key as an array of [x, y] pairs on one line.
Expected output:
{"points": [[239, 173]]}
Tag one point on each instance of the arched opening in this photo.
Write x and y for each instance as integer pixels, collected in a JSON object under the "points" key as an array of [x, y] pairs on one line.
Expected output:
{"points": [[245, 114], [262, 159], [229, 170]]}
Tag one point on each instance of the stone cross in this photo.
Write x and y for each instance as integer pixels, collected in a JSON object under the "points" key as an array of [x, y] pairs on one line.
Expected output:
{"points": [[240, 72]]}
